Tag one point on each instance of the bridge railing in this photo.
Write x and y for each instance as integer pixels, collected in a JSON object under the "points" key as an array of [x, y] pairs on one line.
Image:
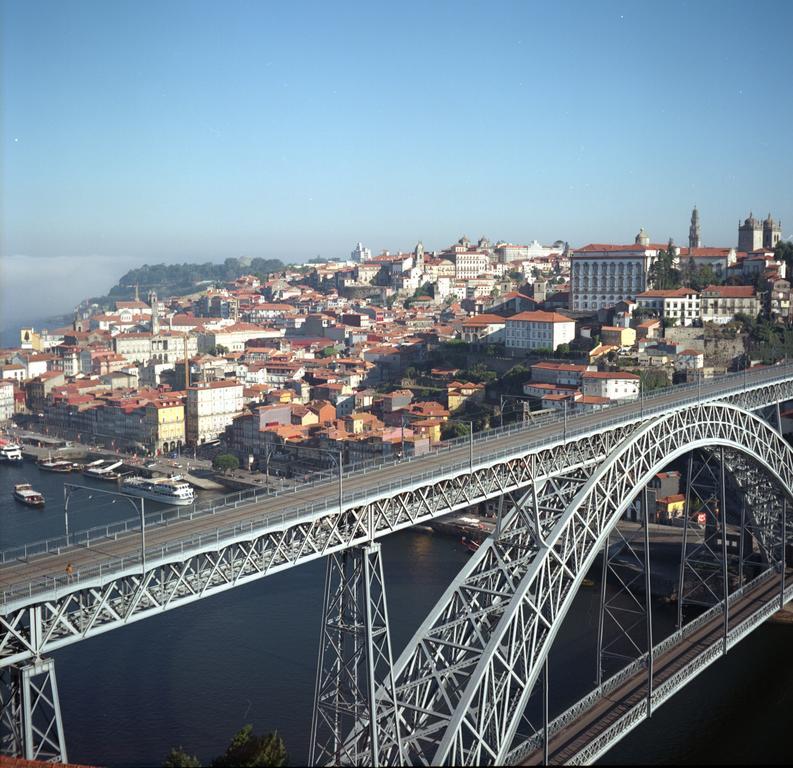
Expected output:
{"points": [[650, 406]]}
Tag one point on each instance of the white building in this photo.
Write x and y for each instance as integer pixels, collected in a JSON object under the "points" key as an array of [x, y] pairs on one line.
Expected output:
{"points": [[678, 304], [233, 337], [470, 264], [162, 347], [483, 329], [360, 254], [602, 275], [614, 385], [538, 330], [211, 407], [506, 252], [6, 401]]}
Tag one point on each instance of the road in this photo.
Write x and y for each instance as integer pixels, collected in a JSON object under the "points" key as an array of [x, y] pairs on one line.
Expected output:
{"points": [[486, 444], [567, 743]]}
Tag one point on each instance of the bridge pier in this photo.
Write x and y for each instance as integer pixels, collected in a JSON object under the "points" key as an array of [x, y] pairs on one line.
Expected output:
{"points": [[354, 662], [30, 712]]}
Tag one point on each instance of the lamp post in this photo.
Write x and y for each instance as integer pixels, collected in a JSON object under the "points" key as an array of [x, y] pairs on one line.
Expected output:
{"points": [[502, 398], [69, 489], [338, 460]]}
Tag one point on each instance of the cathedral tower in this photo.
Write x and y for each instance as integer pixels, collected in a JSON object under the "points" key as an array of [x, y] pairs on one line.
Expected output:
{"points": [[772, 233], [694, 238]]}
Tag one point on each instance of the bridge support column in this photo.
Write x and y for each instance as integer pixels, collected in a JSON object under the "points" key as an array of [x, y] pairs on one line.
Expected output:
{"points": [[354, 662], [624, 623], [648, 592], [30, 718]]}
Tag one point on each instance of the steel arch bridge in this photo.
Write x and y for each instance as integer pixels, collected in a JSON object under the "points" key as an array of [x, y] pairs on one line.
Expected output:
{"points": [[457, 693], [464, 680]]}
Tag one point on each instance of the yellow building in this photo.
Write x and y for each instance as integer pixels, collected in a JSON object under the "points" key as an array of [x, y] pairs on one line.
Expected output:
{"points": [[670, 507], [617, 336], [166, 425], [29, 339]]}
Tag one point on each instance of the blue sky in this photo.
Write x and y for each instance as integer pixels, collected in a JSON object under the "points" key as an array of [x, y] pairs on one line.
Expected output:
{"points": [[172, 130]]}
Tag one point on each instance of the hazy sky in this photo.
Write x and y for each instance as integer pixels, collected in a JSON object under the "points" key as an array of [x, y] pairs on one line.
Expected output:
{"points": [[173, 130]]}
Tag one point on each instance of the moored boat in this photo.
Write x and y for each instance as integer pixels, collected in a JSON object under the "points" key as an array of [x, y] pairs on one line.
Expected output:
{"points": [[169, 490], [102, 469], [24, 493], [10, 452], [55, 466]]}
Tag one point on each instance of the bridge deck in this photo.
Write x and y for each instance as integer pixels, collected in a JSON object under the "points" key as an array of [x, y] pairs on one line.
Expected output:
{"points": [[381, 482], [572, 739]]}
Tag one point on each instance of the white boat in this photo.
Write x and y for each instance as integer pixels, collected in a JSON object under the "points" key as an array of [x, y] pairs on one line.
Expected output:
{"points": [[101, 469], [24, 492], [170, 490], [10, 452]]}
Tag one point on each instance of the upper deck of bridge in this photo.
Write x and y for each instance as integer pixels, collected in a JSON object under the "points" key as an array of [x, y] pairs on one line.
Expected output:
{"points": [[177, 532]]}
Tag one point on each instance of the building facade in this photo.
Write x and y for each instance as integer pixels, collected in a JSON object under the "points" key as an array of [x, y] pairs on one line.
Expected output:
{"points": [[602, 275], [538, 330], [211, 408]]}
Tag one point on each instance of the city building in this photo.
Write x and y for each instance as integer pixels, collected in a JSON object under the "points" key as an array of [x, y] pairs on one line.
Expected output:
{"points": [[6, 400], [720, 303], [602, 275], [538, 330], [754, 234], [614, 385], [360, 254], [211, 407], [678, 305]]}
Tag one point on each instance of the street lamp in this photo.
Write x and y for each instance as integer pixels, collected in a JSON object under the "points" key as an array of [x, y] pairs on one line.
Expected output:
{"points": [[502, 398], [338, 459], [69, 489]]}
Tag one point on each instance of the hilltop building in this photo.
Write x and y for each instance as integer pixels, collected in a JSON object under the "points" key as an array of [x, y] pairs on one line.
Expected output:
{"points": [[754, 234]]}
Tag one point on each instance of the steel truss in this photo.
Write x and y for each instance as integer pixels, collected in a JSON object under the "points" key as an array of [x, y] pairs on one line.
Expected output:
{"points": [[30, 716], [354, 661], [55, 613], [625, 617], [35, 626], [463, 682], [467, 675]]}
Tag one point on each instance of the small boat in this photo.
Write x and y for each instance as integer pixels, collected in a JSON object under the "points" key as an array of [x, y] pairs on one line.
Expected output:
{"points": [[10, 452], [24, 493], [55, 466], [470, 544], [102, 469]]}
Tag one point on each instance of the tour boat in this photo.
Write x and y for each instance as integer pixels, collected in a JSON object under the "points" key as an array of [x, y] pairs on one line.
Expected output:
{"points": [[10, 452], [171, 490], [55, 466], [24, 493]]}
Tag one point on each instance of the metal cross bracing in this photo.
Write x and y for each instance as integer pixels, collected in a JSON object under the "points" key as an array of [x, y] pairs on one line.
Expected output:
{"points": [[354, 659], [30, 714], [464, 679], [74, 612]]}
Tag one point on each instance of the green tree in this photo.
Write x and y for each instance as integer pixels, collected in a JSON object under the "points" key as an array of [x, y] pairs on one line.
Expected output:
{"points": [[247, 750], [225, 462], [783, 251], [452, 429], [178, 758], [663, 274]]}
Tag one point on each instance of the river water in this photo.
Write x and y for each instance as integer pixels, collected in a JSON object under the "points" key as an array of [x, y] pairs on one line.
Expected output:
{"points": [[195, 675]]}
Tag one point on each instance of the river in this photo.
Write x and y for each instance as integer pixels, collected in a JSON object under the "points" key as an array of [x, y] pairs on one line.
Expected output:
{"points": [[194, 675]]}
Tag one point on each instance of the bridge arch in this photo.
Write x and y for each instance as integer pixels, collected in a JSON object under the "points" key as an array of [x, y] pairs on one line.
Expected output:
{"points": [[483, 720]]}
